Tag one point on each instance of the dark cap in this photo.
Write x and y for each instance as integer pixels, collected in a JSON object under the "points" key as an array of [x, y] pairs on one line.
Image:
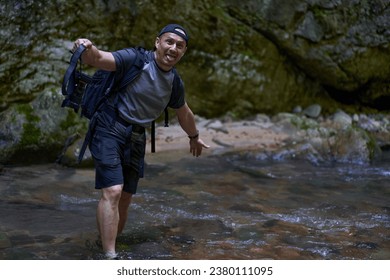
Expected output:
{"points": [[175, 28]]}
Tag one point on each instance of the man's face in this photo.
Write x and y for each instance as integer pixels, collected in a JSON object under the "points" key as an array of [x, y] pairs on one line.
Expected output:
{"points": [[170, 48]]}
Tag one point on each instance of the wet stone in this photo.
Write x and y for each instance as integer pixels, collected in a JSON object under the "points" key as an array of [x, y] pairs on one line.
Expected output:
{"points": [[245, 208], [367, 245], [255, 173], [20, 254], [18, 240], [382, 254], [247, 233], [210, 228], [139, 235], [4, 241], [182, 239], [270, 223], [44, 238], [147, 250]]}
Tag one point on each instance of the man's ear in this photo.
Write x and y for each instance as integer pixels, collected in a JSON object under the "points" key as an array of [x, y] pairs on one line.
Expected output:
{"points": [[157, 42]]}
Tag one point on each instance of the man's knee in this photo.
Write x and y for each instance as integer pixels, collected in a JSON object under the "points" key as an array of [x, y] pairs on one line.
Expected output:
{"points": [[113, 193]]}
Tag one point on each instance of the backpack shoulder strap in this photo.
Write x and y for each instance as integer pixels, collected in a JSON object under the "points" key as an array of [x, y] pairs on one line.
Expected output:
{"points": [[140, 57], [125, 79]]}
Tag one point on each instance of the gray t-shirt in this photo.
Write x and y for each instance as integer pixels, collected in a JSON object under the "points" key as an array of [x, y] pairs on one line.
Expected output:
{"points": [[144, 99]]}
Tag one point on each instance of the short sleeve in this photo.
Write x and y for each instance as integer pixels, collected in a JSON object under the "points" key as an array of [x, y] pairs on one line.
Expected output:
{"points": [[178, 94], [124, 59]]}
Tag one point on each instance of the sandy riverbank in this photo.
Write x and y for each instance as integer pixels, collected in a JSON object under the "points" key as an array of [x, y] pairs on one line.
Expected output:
{"points": [[221, 136]]}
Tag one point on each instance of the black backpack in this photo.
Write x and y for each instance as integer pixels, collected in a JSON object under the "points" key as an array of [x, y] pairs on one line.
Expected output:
{"points": [[91, 93]]}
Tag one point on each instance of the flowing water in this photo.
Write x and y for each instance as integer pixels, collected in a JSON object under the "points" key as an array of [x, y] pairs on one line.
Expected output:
{"points": [[215, 207]]}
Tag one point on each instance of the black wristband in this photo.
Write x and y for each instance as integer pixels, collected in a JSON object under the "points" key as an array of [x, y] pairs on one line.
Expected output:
{"points": [[195, 136]]}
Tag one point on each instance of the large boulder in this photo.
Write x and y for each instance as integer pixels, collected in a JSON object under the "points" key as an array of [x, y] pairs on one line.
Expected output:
{"points": [[244, 57]]}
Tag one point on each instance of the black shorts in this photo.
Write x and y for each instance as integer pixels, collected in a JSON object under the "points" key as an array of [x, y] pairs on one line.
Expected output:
{"points": [[118, 152]]}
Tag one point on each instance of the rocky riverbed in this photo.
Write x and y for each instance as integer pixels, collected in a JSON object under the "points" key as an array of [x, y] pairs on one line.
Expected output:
{"points": [[221, 206], [304, 134]]}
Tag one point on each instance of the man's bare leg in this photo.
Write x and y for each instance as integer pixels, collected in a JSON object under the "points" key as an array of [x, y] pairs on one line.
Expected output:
{"points": [[123, 207], [108, 217]]}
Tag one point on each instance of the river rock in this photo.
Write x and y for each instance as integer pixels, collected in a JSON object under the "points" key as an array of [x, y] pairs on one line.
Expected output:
{"points": [[4, 241], [217, 125], [341, 118], [371, 124], [71, 150], [313, 111]]}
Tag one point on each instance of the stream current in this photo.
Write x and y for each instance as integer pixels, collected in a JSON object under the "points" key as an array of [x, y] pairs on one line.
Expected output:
{"points": [[212, 207]]}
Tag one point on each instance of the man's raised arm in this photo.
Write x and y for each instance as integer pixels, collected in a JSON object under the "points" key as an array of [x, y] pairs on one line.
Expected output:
{"points": [[94, 57]]}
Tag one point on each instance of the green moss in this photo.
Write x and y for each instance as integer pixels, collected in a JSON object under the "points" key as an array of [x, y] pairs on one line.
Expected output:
{"points": [[372, 145], [28, 111], [370, 141], [319, 13], [31, 133], [72, 120]]}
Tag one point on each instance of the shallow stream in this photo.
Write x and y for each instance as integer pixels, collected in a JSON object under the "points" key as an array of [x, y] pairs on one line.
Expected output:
{"points": [[215, 207]]}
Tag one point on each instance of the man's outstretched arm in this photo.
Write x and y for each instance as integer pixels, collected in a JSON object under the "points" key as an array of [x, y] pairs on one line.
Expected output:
{"points": [[94, 57], [187, 122]]}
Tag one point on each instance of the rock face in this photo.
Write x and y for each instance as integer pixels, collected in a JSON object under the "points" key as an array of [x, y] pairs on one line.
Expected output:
{"points": [[244, 57], [342, 44]]}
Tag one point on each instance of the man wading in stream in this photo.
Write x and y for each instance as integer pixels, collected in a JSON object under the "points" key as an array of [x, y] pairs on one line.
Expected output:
{"points": [[118, 144]]}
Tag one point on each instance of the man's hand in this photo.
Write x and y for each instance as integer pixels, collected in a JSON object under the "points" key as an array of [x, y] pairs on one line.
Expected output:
{"points": [[196, 146], [82, 41], [95, 57]]}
